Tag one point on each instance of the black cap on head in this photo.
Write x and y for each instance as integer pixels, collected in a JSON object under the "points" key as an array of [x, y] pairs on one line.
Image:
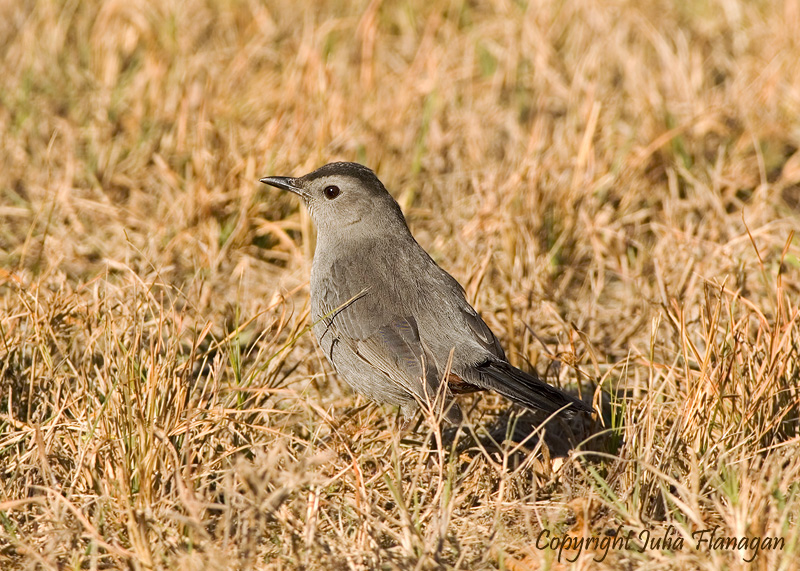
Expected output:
{"points": [[354, 170]]}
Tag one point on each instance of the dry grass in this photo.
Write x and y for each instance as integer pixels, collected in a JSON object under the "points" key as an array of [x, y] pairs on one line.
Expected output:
{"points": [[624, 177]]}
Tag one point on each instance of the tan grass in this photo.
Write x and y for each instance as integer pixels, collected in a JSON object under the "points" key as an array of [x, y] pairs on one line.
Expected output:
{"points": [[616, 183]]}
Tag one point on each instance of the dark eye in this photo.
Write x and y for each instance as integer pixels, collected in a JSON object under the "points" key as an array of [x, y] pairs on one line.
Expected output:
{"points": [[331, 192]]}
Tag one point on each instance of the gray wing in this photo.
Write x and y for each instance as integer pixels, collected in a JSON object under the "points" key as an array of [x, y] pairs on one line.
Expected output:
{"points": [[466, 330], [397, 351], [369, 320], [481, 332]]}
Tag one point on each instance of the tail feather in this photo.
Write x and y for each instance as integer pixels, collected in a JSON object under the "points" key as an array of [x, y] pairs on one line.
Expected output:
{"points": [[525, 389]]}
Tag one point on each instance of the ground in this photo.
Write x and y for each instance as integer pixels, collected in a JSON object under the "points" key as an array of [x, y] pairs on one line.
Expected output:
{"points": [[615, 183]]}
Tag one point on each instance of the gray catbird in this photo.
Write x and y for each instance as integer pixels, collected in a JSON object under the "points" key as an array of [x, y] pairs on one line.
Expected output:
{"points": [[387, 317]]}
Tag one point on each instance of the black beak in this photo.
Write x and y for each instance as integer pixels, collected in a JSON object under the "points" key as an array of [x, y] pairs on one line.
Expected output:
{"points": [[284, 183]]}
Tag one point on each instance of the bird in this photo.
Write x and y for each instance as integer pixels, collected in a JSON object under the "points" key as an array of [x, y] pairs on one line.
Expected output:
{"points": [[393, 324]]}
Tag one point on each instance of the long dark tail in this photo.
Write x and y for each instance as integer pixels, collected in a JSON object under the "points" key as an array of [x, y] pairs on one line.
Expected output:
{"points": [[526, 389]]}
